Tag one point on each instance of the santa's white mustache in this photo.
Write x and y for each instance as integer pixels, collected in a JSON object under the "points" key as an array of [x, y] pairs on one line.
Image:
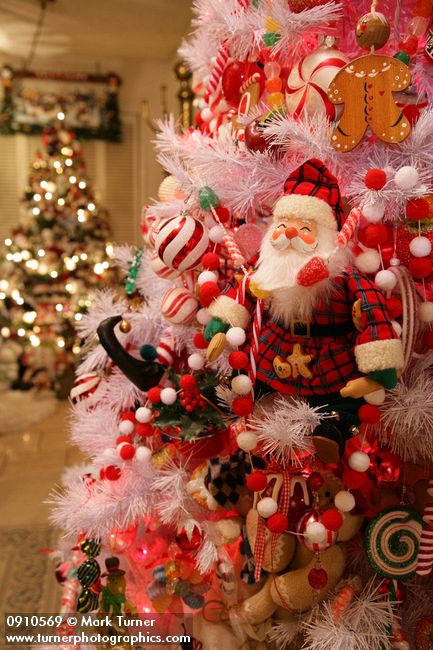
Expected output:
{"points": [[297, 243]]}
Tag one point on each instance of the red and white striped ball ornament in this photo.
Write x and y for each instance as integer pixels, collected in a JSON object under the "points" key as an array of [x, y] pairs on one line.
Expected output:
{"points": [[308, 82], [181, 242], [166, 348], [161, 270], [309, 517], [179, 306], [85, 387]]}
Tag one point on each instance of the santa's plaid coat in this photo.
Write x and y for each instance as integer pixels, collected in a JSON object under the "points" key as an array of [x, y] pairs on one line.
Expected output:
{"points": [[336, 358]]}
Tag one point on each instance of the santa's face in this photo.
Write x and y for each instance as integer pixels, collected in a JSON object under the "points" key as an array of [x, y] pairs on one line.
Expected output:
{"points": [[298, 234]]}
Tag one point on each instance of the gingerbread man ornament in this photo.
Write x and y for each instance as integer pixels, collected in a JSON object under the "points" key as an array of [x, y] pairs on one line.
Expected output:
{"points": [[365, 87]]}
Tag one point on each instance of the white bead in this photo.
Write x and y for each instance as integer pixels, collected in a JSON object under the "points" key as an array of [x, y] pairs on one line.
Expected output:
{"points": [[247, 440], [203, 316], [394, 261], [143, 414], [267, 507], [420, 247], [168, 396], [376, 397], [216, 234], [406, 178], [385, 280], [373, 212], [206, 276], [235, 336], [368, 261], [397, 328], [109, 457], [241, 385], [143, 454], [344, 501], [425, 312], [126, 427], [206, 114], [316, 532], [196, 361], [359, 461]]}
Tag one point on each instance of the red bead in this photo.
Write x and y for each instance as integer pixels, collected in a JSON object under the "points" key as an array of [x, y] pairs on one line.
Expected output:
{"points": [[238, 360], [375, 179], [428, 339], [332, 519], [211, 261], [242, 406], [112, 473], [188, 382], [278, 523], [420, 267], [257, 481], [200, 341], [394, 307], [154, 395], [223, 213], [374, 234], [369, 413], [123, 439], [352, 479], [315, 481], [127, 451], [208, 292], [128, 415], [189, 408], [318, 578], [145, 429], [417, 209]]}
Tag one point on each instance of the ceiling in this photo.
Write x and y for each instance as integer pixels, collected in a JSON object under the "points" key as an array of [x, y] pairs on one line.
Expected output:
{"points": [[95, 29]]}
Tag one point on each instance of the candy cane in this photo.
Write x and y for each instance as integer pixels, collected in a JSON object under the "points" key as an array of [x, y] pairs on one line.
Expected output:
{"points": [[233, 250], [349, 227], [218, 68], [344, 597], [425, 555], [254, 351], [399, 638]]}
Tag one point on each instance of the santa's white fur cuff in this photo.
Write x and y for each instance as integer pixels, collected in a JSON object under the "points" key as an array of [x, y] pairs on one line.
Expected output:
{"points": [[229, 311], [299, 206], [379, 355]]}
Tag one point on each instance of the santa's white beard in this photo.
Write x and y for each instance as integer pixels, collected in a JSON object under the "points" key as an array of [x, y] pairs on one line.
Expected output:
{"points": [[277, 271]]}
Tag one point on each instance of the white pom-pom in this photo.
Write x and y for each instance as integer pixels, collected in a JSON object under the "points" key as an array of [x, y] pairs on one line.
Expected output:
{"points": [[168, 396], [359, 461], [385, 280], [109, 457], [203, 316], [143, 454], [420, 247], [143, 414], [206, 114], [344, 501], [425, 312], [406, 178], [126, 427], [376, 397], [316, 532], [242, 385], [267, 507], [235, 336], [196, 361], [368, 261], [394, 261], [397, 327], [206, 276], [373, 212], [247, 440], [216, 234]]}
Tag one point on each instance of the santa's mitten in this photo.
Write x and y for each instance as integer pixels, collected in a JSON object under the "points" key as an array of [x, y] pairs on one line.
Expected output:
{"points": [[314, 271], [215, 326], [388, 378]]}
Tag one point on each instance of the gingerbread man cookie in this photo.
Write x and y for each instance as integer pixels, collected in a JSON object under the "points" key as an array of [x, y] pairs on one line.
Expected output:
{"points": [[365, 87]]}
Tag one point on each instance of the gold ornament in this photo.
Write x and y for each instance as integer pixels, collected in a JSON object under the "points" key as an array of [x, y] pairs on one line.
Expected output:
{"points": [[216, 346], [125, 326]]}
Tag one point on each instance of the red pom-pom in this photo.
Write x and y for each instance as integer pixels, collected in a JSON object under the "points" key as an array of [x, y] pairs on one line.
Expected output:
{"points": [[428, 339], [417, 209], [145, 429], [318, 578], [369, 414], [123, 439], [200, 341], [188, 382], [238, 360], [102, 474], [208, 292], [257, 481], [375, 179], [154, 395], [126, 451], [420, 267], [352, 479], [242, 406], [315, 481], [332, 519], [210, 261], [374, 234], [223, 213], [278, 523], [112, 473], [394, 307], [128, 415]]}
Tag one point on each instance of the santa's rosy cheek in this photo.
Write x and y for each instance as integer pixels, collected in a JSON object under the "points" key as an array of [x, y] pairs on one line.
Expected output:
{"points": [[277, 233], [308, 238]]}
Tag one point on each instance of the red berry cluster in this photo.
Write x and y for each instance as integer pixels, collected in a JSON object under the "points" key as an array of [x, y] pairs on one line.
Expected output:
{"points": [[190, 397]]}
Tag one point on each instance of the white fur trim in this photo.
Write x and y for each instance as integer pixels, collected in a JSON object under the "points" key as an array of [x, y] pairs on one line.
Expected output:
{"points": [[230, 311], [305, 207], [379, 355]]}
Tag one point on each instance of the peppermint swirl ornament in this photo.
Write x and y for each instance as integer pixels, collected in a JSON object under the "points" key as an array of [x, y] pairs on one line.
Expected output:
{"points": [[392, 542], [181, 242]]}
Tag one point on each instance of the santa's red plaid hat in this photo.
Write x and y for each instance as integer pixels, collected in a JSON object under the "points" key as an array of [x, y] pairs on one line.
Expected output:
{"points": [[311, 192]]}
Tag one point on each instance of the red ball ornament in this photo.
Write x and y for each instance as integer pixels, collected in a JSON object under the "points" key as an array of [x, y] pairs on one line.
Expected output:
{"points": [[126, 451], [375, 179], [257, 481], [317, 578], [315, 481], [200, 341], [112, 472], [420, 267], [242, 406], [211, 261], [223, 214], [209, 291], [369, 414], [428, 339], [128, 415], [123, 439], [188, 382], [154, 395], [145, 429], [385, 469], [332, 519], [238, 360], [417, 209], [374, 234], [234, 76], [278, 523], [189, 544], [394, 307], [352, 479]]}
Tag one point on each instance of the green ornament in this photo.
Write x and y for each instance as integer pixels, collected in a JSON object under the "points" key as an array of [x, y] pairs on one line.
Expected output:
{"points": [[271, 38], [148, 352], [207, 198], [403, 57]]}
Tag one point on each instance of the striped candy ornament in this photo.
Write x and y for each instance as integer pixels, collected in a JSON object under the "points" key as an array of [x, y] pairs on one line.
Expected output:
{"points": [[348, 230], [166, 349], [179, 306], [161, 270], [218, 68], [425, 555], [85, 387], [309, 517], [181, 242], [88, 601], [88, 572]]}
